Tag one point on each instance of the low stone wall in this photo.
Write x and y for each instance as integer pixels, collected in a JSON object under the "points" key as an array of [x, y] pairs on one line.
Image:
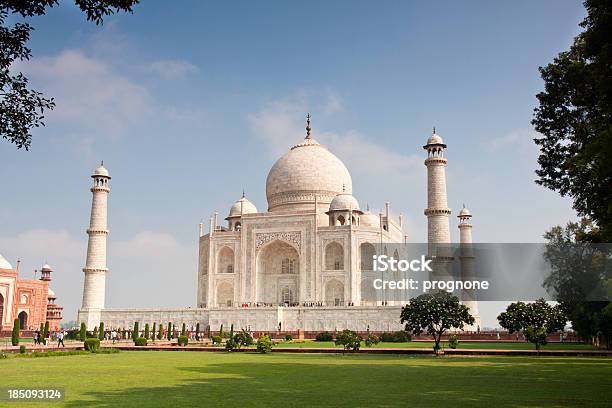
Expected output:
{"points": [[265, 319]]}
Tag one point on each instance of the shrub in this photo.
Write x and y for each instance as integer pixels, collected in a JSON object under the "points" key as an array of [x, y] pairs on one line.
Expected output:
{"points": [[230, 344], [197, 333], [221, 331], [3, 355], [160, 334], [92, 344], [169, 330], [264, 344], [216, 339], [349, 340], [153, 332], [288, 337], [453, 341], [232, 331], [15, 334], [140, 341], [101, 337], [22, 349], [83, 332], [395, 337], [324, 336], [146, 331], [371, 340], [184, 330], [183, 340], [135, 331], [243, 338], [95, 332]]}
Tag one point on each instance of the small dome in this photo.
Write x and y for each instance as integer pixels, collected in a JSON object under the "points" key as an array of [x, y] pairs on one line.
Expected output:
{"points": [[46, 267], [344, 201], [4, 264], [369, 220], [465, 212], [435, 139], [51, 294], [242, 206], [101, 171]]}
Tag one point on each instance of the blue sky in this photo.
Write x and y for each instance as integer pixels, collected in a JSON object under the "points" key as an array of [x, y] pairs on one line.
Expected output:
{"points": [[187, 106]]}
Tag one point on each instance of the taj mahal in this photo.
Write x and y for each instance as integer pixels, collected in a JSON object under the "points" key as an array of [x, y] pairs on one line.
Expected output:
{"points": [[298, 265]]}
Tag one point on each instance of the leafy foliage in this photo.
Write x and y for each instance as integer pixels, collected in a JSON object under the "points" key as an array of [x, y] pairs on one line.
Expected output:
{"points": [[348, 339], [395, 337], [160, 333], [21, 108], [183, 340], [140, 341], [146, 331], [371, 340], [324, 336], [83, 332], [264, 344], [453, 341], [536, 320], [92, 344], [580, 278], [574, 117], [101, 337], [435, 314], [15, 334]]}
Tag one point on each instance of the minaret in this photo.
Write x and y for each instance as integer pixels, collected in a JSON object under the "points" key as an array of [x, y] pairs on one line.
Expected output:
{"points": [[437, 210], [95, 266], [466, 258]]}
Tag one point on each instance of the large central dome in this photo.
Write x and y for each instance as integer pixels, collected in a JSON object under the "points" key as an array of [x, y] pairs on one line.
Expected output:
{"points": [[308, 169]]}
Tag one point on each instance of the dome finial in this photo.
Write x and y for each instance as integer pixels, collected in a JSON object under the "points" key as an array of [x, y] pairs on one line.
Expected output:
{"points": [[102, 163], [243, 193], [434, 130], [308, 128]]}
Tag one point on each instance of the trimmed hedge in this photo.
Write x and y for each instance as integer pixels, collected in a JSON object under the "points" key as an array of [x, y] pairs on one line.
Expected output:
{"points": [[264, 344], [140, 341], [92, 344], [395, 337], [216, 339], [183, 340], [324, 336]]}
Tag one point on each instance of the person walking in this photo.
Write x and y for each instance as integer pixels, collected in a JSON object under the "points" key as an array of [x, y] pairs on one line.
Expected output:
{"points": [[60, 339]]}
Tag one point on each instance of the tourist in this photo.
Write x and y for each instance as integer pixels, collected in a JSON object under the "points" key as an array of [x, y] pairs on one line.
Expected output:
{"points": [[37, 337], [60, 339]]}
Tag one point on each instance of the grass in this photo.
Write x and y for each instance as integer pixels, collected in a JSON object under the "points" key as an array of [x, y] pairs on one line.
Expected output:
{"points": [[154, 379], [462, 345]]}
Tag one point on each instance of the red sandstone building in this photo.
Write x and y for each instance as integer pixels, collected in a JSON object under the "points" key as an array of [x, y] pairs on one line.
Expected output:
{"points": [[29, 300]]}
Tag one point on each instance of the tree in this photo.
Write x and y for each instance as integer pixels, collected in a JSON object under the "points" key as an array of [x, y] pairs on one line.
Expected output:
{"points": [[169, 330], [101, 331], [574, 117], [349, 340], [15, 334], [580, 278], [95, 332], [231, 331], [160, 334], [153, 331], [146, 331], [536, 320], [82, 332], [135, 331], [184, 330], [221, 331], [197, 333], [21, 108], [46, 331], [435, 313]]}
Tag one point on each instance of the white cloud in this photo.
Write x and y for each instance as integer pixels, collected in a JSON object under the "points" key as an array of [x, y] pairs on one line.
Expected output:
{"points": [[89, 92], [516, 139], [173, 69], [281, 123]]}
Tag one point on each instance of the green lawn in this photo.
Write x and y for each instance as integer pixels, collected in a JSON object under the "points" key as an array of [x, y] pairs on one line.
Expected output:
{"points": [[462, 345], [185, 379]]}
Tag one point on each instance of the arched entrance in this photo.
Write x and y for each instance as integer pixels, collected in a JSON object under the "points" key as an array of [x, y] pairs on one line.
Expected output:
{"points": [[225, 294], [23, 320], [334, 293], [277, 274]]}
